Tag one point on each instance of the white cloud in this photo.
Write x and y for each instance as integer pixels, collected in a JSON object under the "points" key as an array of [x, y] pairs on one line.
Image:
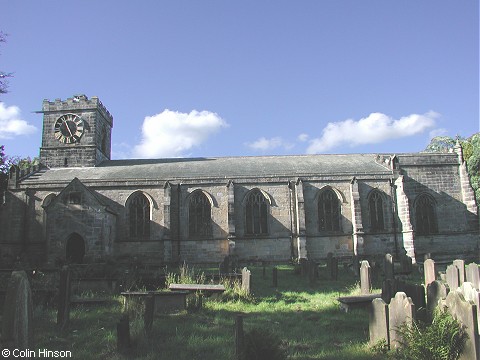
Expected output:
{"points": [[11, 124], [438, 132], [302, 137], [373, 129], [172, 133], [264, 144]]}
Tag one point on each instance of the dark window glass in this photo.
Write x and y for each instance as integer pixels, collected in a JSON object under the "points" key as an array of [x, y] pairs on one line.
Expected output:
{"points": [[75, 198], [425, 215], [199, 215], [139, 216], [328, 211], [375, 205], [256, 210]]}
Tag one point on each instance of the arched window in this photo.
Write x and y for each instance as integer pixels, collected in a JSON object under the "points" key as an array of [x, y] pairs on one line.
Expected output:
{"points": [[199, 215], [328, 211], [256, 212], [375, 206], [425, 221], [139, 216]]}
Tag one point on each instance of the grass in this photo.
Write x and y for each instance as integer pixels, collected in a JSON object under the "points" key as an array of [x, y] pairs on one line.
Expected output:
{"points": [[305, 317]]}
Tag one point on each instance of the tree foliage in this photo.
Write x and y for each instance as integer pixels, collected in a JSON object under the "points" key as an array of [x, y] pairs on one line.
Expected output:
{"points": [[4, 75], [471, 154]]}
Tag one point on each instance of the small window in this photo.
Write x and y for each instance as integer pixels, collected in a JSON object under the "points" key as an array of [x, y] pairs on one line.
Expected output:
{"points": [[199, 215], [328, 211], [75, 198], [375, 206], [256, 211], [425, 219]]}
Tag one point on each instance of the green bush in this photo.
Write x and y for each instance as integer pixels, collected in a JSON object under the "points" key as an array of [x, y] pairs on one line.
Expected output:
{"points": [[444, 339]]}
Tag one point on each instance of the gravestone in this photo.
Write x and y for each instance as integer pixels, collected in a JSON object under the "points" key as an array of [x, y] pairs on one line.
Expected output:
{"points": [[429, 271], [388, 266], [311, 268], [453, 277], [123, 333], [471, 294], [406, 263], [239, 338], [413, 291], [356, 265], [17, 321], [303, 266], [460, 264], [400, 311], [378, 321], [224, 267], [63, 306], [246, 275], [473, 275], [465, 312], [436, 291], [334, 269], [329, 264], [149, 314], [365, 278], [275, 277], [388, 290]]}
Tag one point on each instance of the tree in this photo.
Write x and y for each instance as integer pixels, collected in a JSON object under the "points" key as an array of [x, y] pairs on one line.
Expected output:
{"points": [[4, 75], [471, 154], [7, 161]]}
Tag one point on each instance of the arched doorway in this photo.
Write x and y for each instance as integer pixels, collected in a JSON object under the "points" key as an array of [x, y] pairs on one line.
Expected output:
{"points": [[75, 250]]}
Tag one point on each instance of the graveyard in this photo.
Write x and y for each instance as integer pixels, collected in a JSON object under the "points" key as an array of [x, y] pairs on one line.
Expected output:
{"points": [[329, 310]]}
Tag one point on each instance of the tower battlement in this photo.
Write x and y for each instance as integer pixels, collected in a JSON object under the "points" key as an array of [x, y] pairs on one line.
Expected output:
{"points": [[77, 102]]}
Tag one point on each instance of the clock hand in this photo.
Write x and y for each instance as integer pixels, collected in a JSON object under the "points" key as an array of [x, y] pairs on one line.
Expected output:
{"points": [[68, 127]]}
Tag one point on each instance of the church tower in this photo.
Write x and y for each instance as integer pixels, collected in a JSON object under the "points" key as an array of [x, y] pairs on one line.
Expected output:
{"points": [[76, 132]]}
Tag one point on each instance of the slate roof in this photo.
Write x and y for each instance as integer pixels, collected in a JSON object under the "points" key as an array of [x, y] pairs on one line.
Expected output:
{"points": [[223, 167]]}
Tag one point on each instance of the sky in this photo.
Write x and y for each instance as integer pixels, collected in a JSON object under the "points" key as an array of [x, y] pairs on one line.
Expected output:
{"points": [[242, 78]]}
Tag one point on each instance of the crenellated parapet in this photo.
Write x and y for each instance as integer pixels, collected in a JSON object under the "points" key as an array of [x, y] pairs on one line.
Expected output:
{"points": [[77, 102]]}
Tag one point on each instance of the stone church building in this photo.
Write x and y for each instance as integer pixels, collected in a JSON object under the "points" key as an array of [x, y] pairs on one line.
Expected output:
{"points": [[80, 206]]}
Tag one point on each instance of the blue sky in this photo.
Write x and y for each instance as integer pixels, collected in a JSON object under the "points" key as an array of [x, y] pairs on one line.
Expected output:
{"points": [[231, 78]]}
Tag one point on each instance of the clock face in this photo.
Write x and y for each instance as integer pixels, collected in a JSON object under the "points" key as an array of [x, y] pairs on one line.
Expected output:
{"points": [[69, 128]]}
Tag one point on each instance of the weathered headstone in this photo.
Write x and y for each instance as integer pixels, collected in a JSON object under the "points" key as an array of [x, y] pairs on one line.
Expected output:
{"points": [[436, 291], [63, 306], [378, 321], [471, 294], [465, 312], [356, 265], [388, 290], [413, 291], [400, 311], [473, 275], [239, 338], [149, 313], [429, 271], [275, 277], [17, 321], [460, 264], [224, 267], [365, 278], [406, 263], [303, 266], [388, 266], [334, 269], [453, 277], [246, 275], [123, 333]]}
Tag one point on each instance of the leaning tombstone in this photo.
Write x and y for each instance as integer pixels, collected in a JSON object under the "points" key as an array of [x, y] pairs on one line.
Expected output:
{"points": [[436, 291], [429, 271], [465, 312], [365, 278], [388, 266], [460, 264], [63, 306], [17, 321], [378, 322], [471, 294], [246, 276], [400, 311], [473, 275], [453, 277]]}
